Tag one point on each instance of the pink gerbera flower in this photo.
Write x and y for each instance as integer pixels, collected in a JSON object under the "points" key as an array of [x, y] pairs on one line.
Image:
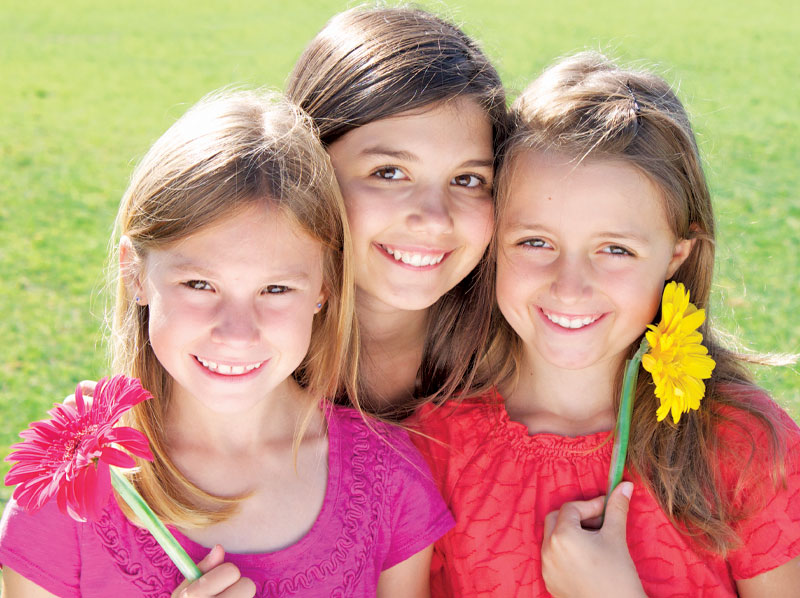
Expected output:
{"points": [[69, 455]]}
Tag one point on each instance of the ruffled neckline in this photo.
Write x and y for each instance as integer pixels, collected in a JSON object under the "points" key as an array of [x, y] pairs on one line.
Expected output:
{"points": [[597, 446]]}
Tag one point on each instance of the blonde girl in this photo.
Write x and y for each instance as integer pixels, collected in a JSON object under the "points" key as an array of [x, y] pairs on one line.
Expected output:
{"points": [[235, 309], [604, 201]]}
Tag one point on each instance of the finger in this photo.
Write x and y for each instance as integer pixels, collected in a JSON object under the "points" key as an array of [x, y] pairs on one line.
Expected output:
{"points": [[550, 523], [87, 387], [243, 588], [214, 582], [616, 517], [215, 557], [573, 513]]}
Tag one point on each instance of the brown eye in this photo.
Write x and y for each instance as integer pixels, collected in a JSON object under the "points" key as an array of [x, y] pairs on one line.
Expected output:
{"points": [[468, 180], [390, 173]]}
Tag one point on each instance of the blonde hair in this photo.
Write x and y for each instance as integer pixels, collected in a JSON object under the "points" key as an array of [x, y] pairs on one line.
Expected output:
{"points": [[230, 151], [587, 108], [372, 63]]}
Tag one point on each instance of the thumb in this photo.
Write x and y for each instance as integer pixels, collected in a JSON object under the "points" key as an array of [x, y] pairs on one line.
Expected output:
{"points": [[214, 558], [616, 517]]}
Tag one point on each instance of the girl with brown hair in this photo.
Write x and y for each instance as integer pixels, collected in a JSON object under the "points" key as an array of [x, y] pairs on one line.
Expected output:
{"points": [[603, 201], [412, 114]]}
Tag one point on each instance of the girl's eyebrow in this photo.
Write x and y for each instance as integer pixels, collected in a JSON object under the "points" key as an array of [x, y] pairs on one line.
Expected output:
{"points": [[196, 268], [409, 157], [620, 235], [390, 153]]}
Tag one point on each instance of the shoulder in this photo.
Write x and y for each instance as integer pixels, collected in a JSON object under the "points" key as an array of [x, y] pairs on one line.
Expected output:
{"points": [[753, 425], [468, 418], [760, 468], [41, 546]]}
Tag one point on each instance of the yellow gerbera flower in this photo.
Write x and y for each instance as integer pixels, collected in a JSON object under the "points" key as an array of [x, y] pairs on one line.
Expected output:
{"points": [[677, 360]]}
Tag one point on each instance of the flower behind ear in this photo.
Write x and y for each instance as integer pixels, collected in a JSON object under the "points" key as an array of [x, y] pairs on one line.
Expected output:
{"points": [[677, 359]]}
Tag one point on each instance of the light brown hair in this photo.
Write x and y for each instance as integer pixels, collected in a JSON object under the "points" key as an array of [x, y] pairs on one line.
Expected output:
{"points": [[230, 151], [372, 63], [587, 108]]}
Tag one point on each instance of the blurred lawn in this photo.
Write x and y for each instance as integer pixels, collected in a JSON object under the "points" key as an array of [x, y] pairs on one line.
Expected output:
{"points": [[86, 87]]}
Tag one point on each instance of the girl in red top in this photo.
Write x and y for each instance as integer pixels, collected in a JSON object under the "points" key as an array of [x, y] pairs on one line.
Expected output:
{"points": [[602, 200]]}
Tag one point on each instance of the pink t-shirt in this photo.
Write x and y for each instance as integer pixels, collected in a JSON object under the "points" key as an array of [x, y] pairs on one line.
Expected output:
{"points": [[380, 508], [500, 482]]}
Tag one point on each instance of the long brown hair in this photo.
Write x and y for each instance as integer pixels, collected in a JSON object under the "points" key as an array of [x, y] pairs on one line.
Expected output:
{"points": [[585, 107], [230, 151], [372, 63]]}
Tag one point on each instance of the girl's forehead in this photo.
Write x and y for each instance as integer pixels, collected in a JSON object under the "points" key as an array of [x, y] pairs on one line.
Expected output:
{"points": [[254, 232], [593, 192]]}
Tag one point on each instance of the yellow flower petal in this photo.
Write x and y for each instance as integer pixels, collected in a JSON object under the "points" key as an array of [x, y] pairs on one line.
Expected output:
{"points": [[677, 360]]}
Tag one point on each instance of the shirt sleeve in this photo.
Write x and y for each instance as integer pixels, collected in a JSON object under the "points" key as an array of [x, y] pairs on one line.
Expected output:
{"points": [[418, 514], [770, 531], [43, 547]]}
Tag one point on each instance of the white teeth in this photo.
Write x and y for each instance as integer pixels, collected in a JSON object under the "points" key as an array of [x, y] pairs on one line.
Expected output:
{"points": [[414, 259], [572, 323], [229, 370]]}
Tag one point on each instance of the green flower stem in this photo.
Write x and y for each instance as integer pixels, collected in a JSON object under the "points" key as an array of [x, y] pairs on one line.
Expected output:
{"points": [[162, 535], [623, 427]]}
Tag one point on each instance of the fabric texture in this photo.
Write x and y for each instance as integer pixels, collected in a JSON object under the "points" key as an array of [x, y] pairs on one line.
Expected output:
{"points": [[380, 508], [500, 482]]}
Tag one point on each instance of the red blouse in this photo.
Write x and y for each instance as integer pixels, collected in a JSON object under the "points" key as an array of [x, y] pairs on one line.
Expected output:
{"points": [[500, 482]]}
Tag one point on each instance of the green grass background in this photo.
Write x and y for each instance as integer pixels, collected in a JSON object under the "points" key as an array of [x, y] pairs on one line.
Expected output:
{"points": [[86, 87]]}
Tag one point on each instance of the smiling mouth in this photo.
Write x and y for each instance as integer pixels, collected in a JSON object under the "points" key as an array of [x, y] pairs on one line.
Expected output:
{"points": [[417, 260], [571, 322], [227, 369]]}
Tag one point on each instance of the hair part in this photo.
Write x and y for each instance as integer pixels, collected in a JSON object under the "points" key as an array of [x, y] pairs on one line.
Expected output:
{"points": [[585, 107], [368, 64], [230, 151]]}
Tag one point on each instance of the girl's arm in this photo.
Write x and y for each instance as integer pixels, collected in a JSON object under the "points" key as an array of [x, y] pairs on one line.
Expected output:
{"points": [[409, 578], [16, 586], [581, 562], [780, 581]]}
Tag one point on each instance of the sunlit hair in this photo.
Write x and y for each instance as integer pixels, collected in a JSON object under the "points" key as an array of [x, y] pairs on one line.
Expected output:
{"points": [[586, 108], [372, 63], [231, 151]]}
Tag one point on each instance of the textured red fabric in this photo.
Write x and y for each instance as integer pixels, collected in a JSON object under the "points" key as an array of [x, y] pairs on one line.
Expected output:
{"points": [[500, 483]]}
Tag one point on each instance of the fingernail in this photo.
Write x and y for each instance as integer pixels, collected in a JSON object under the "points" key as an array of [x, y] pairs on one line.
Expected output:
{"points": [[627, 489]]}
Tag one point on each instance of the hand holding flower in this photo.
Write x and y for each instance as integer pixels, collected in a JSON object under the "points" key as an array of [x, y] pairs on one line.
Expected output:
{"points": [[590, 562], [219, 578]]}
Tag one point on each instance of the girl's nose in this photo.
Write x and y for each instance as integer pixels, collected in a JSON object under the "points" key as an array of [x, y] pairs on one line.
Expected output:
{"points": [[431, 212], [571, 282], [236, 324]]}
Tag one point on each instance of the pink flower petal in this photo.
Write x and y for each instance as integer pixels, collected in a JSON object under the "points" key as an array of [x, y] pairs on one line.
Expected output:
{"points": [[68, 456]]}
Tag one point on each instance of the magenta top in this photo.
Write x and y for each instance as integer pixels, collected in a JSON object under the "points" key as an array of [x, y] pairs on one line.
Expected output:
{"points": [[380, 508]]}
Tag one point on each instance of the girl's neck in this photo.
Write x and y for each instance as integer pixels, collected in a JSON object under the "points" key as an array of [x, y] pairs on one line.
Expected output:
{"points": [[571, 403], [392, 341], [274, 420]]}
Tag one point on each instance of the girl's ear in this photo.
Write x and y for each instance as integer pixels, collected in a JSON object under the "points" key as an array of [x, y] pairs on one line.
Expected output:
{"points": [[321, 299], [683, 248], [130, 268]]}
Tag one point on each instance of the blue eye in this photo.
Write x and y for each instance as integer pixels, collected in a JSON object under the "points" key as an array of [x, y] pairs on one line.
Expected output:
{"points": [[276, 289], [390, 173], [468, 180], [198, 285], [536, 243], [616, 250]]}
